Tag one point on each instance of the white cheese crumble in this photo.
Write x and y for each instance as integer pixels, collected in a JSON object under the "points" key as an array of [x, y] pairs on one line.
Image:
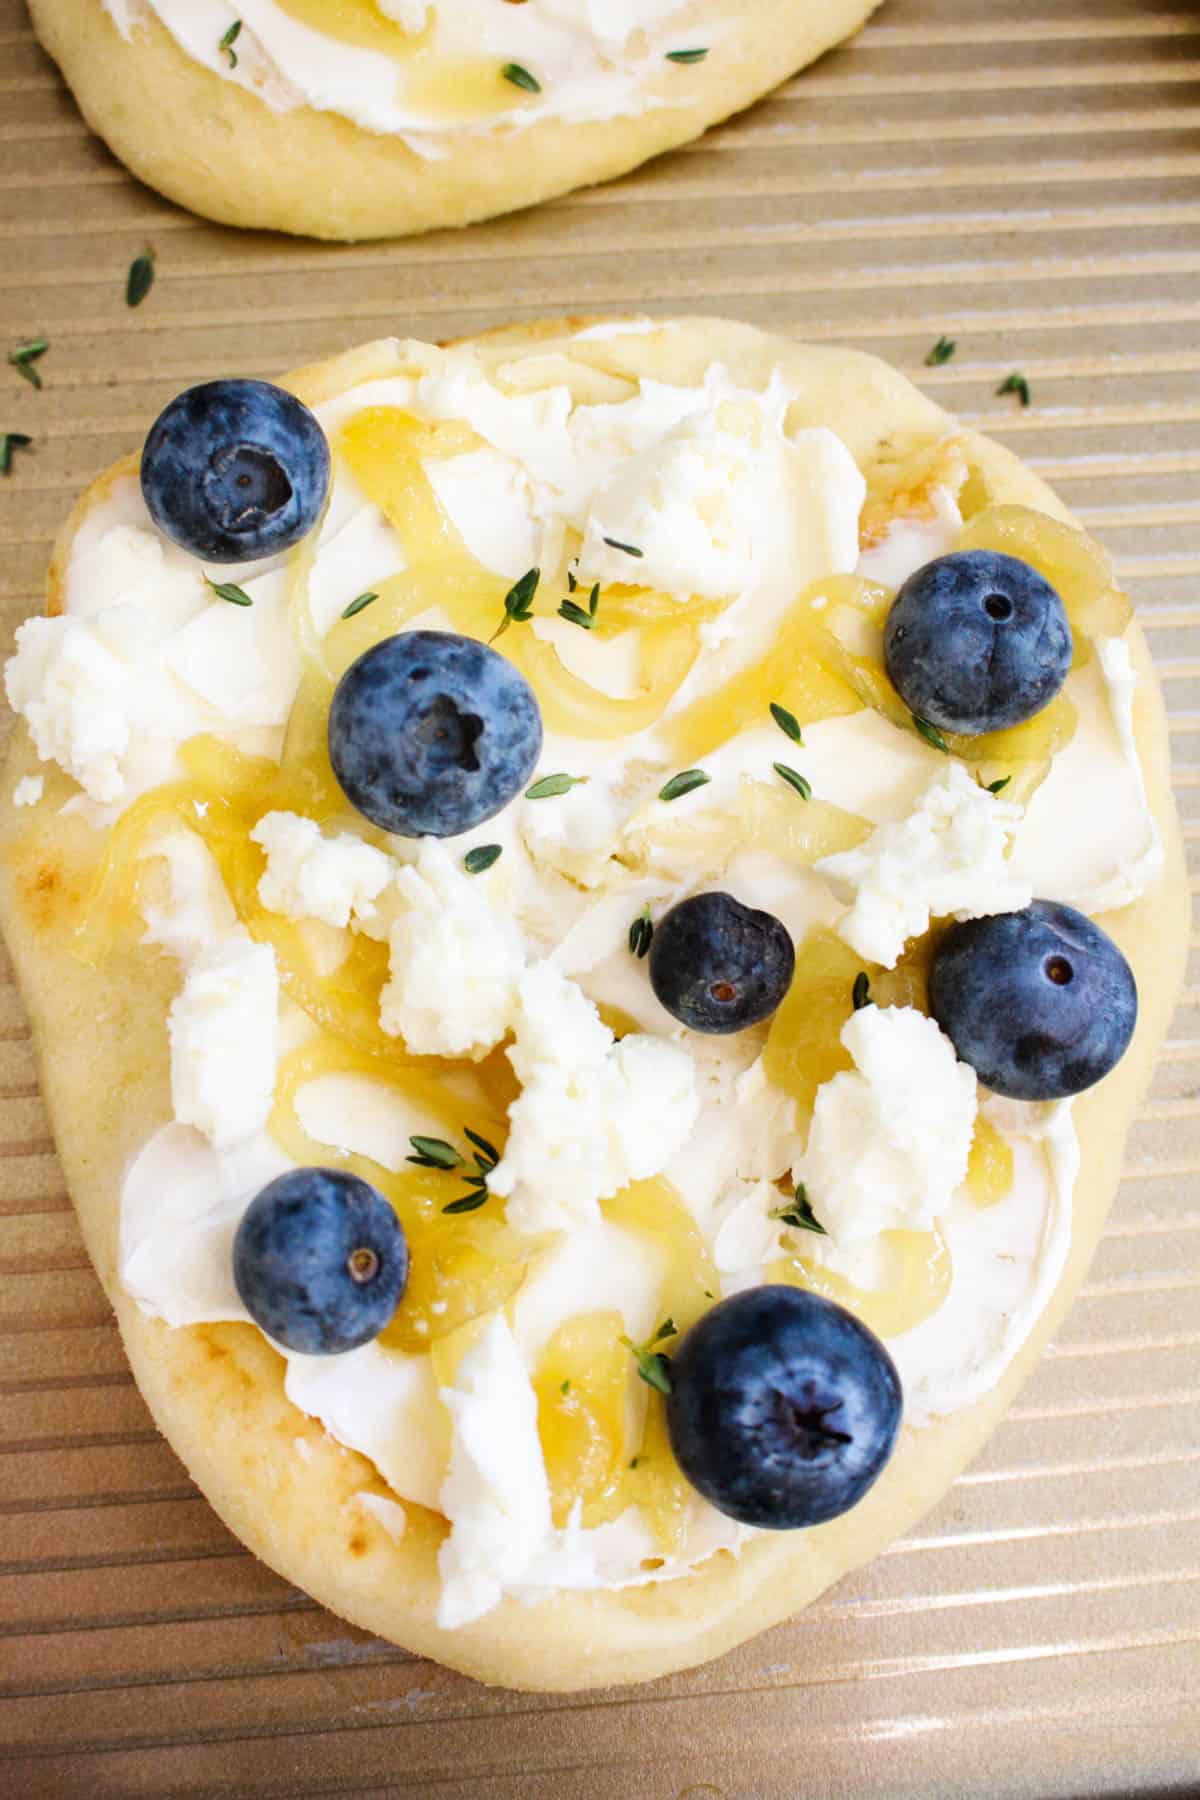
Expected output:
{"points": [[890, 1139], [29, 790], [496, 1494], [310, 876], [949, 856], [74, 695], [223, 1029], [593, 1114], [455, 961]]}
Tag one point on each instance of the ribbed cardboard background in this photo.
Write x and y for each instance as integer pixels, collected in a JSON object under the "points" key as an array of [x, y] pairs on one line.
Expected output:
{"points": [[1026, 180]]}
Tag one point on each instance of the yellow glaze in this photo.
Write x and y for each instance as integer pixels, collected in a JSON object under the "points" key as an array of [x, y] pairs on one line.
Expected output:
{"points": [[920, 1272], [989, 1166]]}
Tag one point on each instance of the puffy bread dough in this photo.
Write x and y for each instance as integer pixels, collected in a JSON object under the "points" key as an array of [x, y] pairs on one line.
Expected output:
{"points": [[217, 148], [217, 1391]]}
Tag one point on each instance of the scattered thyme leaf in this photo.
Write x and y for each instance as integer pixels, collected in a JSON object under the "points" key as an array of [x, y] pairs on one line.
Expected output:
{"points": [[628, 549], [24, 357], [550, 786], [998, 787], [800, 1214], [489, 1150], [575, 615], [686, 782], [229, 40], [634, 1461], [358, 605], [521, 78], [794, 779], [1015, 383], [468, 1202], [572, 584], [641, 932], [565, 1388], [140, 278], [687, 56], [653, 1367], [787, 722], [518, 603], [930, 733], [941, 353], [434, 1153], [228, 590], [10, 441], [481, 858], [667, 1329], [860, 993]]}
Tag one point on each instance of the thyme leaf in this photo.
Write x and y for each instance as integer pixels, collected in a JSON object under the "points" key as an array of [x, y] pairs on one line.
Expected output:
{"points": [[941, 353], [550, 786], [520, 77], [930, 733], [229, 40], [641, 932], [140, 278], [1015, 383], [787, 722], [228, 590], [652, 1365], [481, 858], [469, 1202], [794, 779], [629, 549], [10, 441], [860, 993], [685, 782], [998, 787], [799, 1215], [518, 602], [575, 615], [687, 56], [358, 605], [25, 356], [434, 1153]]}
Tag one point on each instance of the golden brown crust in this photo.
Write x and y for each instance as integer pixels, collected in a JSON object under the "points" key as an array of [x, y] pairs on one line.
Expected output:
{"points": [[194, 136], [217, 1391]]}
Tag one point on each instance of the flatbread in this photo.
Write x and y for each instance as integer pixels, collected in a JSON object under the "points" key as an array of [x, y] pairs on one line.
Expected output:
{"points": [[217, 1391], [218, 149]]}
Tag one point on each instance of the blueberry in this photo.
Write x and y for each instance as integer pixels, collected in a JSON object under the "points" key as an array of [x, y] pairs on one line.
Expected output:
{"points": [[1040, 1003], [719, 966], [234, 470], [783, 1408], [320, 1261], [977, 641], [430, 734]]}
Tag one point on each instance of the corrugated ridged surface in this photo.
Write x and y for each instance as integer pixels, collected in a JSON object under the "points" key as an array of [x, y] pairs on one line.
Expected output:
{"points": [[1032, 188]]}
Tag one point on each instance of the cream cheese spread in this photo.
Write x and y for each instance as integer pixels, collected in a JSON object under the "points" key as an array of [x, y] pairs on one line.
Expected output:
{"points": [[143, 659], [436, 67]]}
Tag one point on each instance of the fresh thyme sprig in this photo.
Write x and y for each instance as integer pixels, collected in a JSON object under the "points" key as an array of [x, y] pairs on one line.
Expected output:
{"points": [[518, 603], [436, 1153], [653, 1365], [576, 615], [25, 356], [799, 1214], [641, 933]]}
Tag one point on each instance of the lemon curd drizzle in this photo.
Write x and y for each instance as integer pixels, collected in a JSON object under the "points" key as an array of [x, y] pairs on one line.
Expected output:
{"points": [[603, 1432]]}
